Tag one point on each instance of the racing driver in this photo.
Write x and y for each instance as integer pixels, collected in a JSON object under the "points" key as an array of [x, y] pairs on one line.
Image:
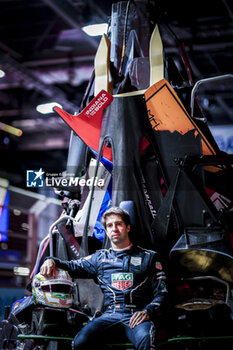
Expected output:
{"points": [[131, 279]]}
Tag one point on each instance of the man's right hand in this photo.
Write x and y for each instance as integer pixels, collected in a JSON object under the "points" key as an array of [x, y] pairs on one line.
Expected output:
{"points": [[48, 269]]}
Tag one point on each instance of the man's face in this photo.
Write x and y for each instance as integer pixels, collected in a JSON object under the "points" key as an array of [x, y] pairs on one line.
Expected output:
{"points": [[116, 229]]}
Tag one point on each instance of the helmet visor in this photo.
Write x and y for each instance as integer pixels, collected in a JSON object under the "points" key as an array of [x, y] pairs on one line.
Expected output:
{"points": [[58, 288]]}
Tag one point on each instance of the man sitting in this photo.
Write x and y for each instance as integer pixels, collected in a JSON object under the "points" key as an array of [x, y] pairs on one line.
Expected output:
{"points": [[131, 279]]}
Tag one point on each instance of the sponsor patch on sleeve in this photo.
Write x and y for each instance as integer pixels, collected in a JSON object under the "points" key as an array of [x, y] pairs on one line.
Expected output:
{"points": [[158, 265]]}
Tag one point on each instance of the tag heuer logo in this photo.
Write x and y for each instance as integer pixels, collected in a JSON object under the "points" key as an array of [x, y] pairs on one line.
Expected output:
{"points": [[122, 281]]}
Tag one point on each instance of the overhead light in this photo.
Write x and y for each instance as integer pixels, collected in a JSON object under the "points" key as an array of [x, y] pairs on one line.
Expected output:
{"points": [[96, 29], [2, 73], [21, 271], [10, 129], [47, 108]]}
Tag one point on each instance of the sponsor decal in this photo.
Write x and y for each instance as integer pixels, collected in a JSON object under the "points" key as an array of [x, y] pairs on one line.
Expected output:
{"points": [[61, 296], [16, 305], [147, 197], [109, 260], [122, 281], [135, 260], [100, 102], [163, 286]]}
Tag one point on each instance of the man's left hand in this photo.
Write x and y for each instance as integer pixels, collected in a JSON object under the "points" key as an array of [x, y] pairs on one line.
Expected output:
{"points": [[138, 317]]}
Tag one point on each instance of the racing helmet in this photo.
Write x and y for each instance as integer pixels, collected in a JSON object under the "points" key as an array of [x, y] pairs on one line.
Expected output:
{"points": [[53, 292]]}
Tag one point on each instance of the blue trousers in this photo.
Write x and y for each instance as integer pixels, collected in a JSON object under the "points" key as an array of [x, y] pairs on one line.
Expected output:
{"points": [[96, 332]]}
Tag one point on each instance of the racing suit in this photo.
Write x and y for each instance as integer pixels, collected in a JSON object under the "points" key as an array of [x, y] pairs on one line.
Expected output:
{"points": [[131, 280]]}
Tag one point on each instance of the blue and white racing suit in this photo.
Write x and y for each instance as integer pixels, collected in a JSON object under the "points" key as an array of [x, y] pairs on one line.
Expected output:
{"points": [[131, 280]]}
